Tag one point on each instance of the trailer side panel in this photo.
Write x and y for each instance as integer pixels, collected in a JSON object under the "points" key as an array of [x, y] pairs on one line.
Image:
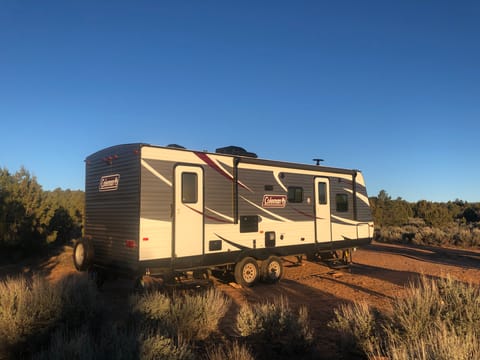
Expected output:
{"points": [[112, 205]]}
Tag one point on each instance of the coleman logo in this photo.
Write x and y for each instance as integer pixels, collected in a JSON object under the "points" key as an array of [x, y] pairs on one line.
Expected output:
{"points": [[109, 182], [274, 201]]}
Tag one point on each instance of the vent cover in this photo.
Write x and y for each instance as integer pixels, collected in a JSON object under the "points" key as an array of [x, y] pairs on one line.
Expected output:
{"points": [[235, 150]]}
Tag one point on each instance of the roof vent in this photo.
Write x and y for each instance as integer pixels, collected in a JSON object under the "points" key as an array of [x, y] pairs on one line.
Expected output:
{"points": [[235, 150], [176, 146]]}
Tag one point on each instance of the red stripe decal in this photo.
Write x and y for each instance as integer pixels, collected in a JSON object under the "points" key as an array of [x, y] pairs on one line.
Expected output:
{"points": [[204, 157], [214, 166]]}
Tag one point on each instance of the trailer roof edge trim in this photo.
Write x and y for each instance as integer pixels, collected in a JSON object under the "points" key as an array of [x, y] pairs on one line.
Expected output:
{"points": [[244, 159]]}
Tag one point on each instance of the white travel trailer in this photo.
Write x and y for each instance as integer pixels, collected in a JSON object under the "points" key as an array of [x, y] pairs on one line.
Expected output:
{"points": [[155, 210]]}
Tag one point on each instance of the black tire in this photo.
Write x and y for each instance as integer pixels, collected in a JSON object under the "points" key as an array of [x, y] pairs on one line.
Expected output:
{"points": [[82, 255], [246, 272], [272, 269]]}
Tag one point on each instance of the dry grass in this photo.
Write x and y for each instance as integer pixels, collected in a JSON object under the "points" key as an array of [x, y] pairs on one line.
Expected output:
{"points": [[275, 324], [63, 320], [28, 308], [230, 351], [437, 319], [356, 325], [189, 317]]}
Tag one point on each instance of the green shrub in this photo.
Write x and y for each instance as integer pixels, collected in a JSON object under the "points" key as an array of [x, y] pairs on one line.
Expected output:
{"points": [[276, 323], [190, 317]]}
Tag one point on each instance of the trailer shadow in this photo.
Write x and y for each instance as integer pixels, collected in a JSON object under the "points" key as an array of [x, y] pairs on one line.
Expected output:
{"points": [[46, 262], [444, 256], [320, 306], [399, 278], [356, 288]]}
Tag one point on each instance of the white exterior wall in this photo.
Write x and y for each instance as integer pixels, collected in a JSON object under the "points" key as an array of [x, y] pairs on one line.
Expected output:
{"points": [[155, 236]]}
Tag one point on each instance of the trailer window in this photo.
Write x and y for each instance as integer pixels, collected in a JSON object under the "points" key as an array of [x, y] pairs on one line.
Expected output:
{"points": [[189, 188], [342, 202], [322, 193], [295, 194]]}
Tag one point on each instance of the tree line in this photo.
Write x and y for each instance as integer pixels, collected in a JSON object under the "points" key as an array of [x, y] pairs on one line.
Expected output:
{"points": [[397, 212], [31, 218]]}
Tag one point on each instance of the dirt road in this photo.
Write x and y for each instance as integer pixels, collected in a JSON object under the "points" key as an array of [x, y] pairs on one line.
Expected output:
{"points": [[378, 274]]}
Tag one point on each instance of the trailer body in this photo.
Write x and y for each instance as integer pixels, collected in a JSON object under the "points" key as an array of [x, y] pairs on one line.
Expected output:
{"points": [[150, 209]]}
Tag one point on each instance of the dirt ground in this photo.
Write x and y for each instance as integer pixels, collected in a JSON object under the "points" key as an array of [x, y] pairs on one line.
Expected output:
{"points": [[377, 275]]}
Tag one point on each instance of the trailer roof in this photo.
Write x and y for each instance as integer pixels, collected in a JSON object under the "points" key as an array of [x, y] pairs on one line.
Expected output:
{"points": [[242, 159]]}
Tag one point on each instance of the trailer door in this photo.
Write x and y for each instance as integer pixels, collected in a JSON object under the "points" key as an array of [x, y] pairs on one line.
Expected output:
{"points": [[323, 231], [188, 217]]}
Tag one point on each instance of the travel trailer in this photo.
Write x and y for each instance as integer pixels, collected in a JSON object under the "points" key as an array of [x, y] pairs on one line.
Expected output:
{"points": [[153, 210]]}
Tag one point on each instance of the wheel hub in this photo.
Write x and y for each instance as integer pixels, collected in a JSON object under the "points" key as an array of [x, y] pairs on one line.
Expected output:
{"points": [[249, 273]]}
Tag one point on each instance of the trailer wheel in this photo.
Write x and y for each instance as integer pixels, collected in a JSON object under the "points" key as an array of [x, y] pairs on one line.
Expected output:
{"points": [[82, 255], [272, 269], [246, 272]]}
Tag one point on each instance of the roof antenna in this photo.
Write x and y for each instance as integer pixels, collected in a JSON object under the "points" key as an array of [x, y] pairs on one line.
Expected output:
{"points": [[317, 161]]}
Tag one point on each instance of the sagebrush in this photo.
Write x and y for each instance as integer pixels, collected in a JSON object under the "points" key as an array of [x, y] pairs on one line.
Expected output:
{"points": [[28, 308], [32, 308], [230, 351], [436, 319], [189, 316], [277, 324], [453, 234]]}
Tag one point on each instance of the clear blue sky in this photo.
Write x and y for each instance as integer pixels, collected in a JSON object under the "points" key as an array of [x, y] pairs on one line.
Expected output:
{"points": [[388, 87]]}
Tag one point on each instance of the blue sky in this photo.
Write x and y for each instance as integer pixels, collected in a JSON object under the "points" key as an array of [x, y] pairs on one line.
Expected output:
{"points": [[388, 87]]}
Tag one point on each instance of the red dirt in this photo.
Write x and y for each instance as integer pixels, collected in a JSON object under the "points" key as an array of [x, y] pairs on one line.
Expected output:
{"points": [[377, 275]]}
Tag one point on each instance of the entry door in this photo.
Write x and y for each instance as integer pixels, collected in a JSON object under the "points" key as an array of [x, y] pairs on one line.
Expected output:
{"points": [[188, 228], [323, 228]]}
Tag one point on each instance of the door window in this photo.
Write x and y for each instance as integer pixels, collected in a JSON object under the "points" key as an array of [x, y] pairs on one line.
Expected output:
{"points": [[189, 188], [322, 193]]}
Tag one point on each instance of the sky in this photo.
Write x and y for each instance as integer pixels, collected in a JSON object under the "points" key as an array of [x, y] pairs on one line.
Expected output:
{"points": [[388, 87]]}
